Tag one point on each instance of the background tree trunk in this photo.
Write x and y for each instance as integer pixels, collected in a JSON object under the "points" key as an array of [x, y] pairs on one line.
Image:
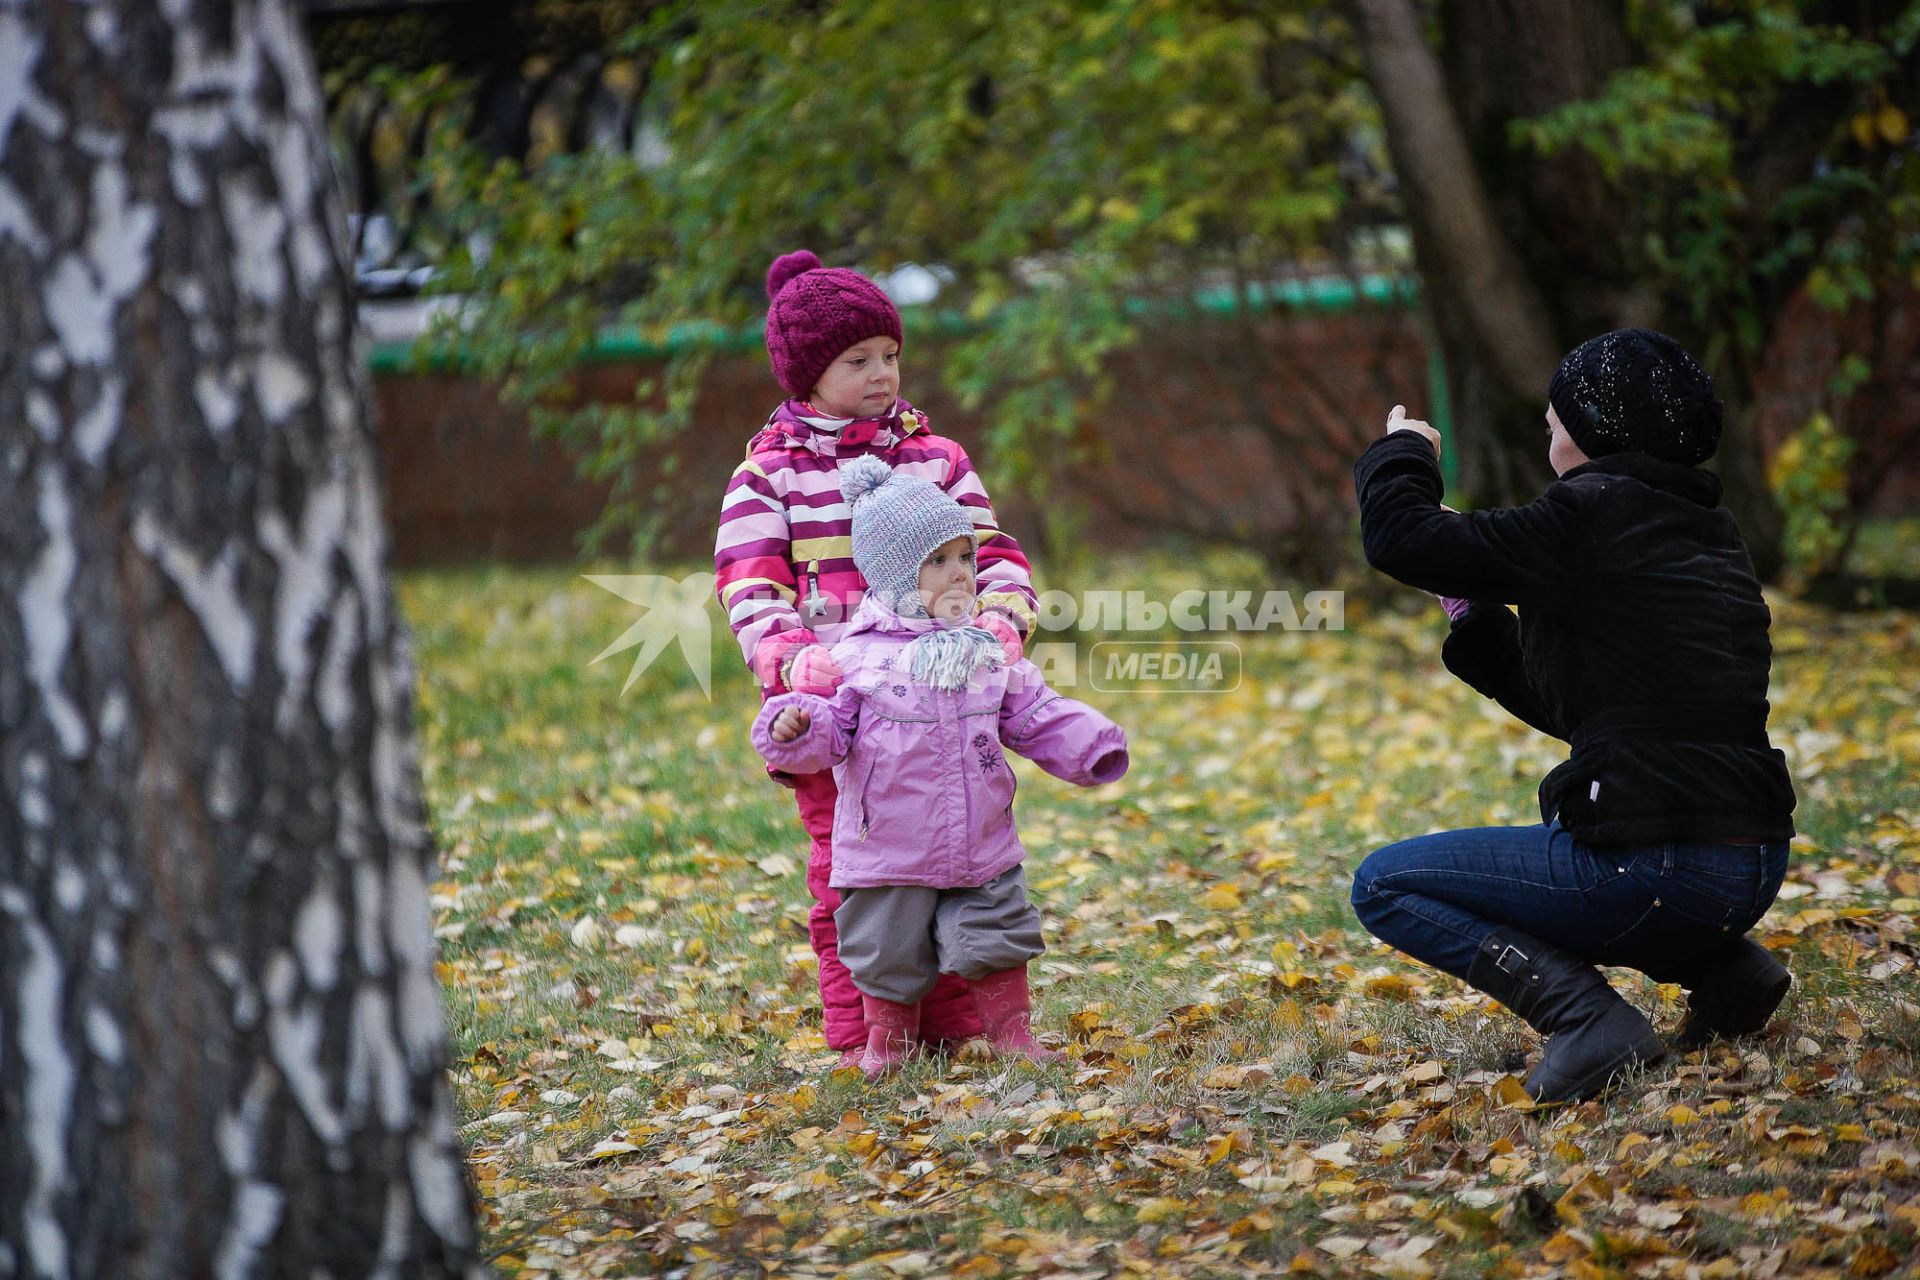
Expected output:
{"points": [[1557, 241], [221, 1046]]}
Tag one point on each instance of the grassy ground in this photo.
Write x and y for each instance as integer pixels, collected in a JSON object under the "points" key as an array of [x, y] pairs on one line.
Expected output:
{"points": [[1252, 1085]]}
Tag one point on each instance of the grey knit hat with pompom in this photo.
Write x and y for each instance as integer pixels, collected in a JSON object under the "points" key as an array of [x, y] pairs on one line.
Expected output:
{"points": [[898, 521]]}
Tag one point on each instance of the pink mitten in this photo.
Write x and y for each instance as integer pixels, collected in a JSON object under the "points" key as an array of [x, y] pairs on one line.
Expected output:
{"points": [[1454, 607], [771, 654], [1005, 632], [813, 670]]}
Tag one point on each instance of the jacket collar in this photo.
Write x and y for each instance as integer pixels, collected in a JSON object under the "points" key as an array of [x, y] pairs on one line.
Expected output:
{"points": [[1691, 483], [877, 616], [795, 425]]}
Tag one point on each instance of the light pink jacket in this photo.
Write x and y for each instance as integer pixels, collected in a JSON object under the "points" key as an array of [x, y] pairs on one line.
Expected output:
{"points": [[926, 793]]}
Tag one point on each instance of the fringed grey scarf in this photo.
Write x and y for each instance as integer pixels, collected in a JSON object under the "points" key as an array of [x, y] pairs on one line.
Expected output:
{"points": [[946, 658]]}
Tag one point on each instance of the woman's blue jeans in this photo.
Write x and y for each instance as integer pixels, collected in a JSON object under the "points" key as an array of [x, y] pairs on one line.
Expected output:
{"points": [[1666, 909]]}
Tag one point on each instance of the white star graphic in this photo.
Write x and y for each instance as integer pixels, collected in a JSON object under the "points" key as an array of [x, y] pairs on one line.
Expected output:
{"points": [[675, 611]]}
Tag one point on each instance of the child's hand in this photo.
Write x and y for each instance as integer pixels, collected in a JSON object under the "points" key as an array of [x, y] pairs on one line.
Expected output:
{"points": [[813, 670], [1005, 632], [772, 655], [789, 724], [1399, 421]]}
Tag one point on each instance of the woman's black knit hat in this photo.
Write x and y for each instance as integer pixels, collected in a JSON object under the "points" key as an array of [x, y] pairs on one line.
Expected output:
{"points": [[1634, 389]]}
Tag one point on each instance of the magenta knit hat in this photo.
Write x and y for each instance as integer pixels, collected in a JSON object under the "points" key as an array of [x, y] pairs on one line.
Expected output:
{"points": [[816, 313]]}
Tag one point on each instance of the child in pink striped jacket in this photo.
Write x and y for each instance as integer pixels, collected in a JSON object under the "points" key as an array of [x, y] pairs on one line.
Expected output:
{"points": [[784, 555]]}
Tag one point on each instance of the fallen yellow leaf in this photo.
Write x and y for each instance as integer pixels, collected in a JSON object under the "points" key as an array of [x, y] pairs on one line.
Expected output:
{"points": [[1341, 1246], [1510, 1093]]}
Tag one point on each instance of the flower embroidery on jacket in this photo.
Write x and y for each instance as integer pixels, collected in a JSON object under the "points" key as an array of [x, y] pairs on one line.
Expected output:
{"points": [[988, 755]]}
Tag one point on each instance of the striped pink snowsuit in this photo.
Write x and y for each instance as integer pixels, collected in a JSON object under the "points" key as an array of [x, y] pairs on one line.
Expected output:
{"points": [[784, 558]]}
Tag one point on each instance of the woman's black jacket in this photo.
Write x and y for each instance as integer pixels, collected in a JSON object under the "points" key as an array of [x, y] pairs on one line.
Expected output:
{"points": [[1641, 638]]}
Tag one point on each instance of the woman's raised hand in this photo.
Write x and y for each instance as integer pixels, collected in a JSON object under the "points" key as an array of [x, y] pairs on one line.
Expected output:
{"points": [[1399, 421]]}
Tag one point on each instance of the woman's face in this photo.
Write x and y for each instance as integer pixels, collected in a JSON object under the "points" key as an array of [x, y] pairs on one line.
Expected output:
{"points": [[1563, 455]]}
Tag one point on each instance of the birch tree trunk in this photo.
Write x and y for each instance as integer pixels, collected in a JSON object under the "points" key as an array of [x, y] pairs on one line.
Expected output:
{"points": [[221, 1046]]}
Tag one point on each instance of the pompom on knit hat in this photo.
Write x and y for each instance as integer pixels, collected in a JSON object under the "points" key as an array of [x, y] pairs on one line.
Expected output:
{"points": [[898, 520], [815, 313], [1638, 390]]}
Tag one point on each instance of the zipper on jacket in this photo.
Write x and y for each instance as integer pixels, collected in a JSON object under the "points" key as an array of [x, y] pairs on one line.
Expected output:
{"points": [[814, 604], [965, 850], [865, 779]]}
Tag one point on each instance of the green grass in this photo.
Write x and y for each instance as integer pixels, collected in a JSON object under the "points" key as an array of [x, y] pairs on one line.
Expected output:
{"points": [[623, 934]]}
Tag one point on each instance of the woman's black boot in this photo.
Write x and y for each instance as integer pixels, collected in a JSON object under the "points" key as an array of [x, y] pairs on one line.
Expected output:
{"points": [[1733, 994], [1592, 1034]]}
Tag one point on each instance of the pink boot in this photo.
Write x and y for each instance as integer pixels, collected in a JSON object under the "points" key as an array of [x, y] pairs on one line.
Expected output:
{"points": [[891, 1031], [1006, 1011]]}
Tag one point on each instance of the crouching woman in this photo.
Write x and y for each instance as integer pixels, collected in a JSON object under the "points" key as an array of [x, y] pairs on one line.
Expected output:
{"points": [[1641, 640]]}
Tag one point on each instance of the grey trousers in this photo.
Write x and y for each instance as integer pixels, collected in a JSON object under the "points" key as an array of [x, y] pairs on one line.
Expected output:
{"points": [[897, 940]]}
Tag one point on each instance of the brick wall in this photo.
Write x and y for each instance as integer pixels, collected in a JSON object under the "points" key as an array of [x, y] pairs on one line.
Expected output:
{"points": [[1211, 428]]}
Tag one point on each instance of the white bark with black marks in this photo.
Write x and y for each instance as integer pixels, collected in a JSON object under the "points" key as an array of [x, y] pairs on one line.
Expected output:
{"points": [[221, 1042]]}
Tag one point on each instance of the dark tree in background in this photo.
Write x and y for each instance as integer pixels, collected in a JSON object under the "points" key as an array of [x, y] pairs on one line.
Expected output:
{"points": [[221, 1046], [1572, 168], [1081, 176]]}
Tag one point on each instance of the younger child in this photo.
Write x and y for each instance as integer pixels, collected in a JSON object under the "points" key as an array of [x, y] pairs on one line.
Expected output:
{"points": [[925, 856], [786, 575]]}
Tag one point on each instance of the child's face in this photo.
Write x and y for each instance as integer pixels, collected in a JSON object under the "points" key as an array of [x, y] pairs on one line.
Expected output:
{"points": [[862, 380], [1563, 455], [946, 580]]}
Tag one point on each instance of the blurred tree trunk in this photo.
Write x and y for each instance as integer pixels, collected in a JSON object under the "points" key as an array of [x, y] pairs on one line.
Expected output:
{"points": [[1523, 255], [221, 1045]]}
